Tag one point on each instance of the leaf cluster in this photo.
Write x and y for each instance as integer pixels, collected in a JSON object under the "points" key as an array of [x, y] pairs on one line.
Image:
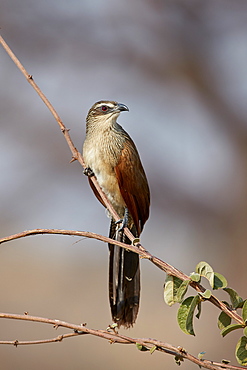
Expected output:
{"points": [[175, 290]]}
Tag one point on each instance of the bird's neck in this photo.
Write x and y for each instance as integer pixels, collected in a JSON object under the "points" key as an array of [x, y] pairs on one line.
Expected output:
{"points": [[101, 126]]}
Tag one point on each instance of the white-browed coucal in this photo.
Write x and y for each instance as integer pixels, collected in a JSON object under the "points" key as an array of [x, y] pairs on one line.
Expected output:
{"points": [[110, 154]]}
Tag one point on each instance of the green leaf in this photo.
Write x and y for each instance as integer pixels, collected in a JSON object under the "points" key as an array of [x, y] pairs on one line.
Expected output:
{"points": [[230, 328], [201, 355], [236, 300], [185, 314], [244, 313], [245, 331], [141, 347], [227, 304], [182, 290], [220, 281], [204, 269], [170, 289], [199, 307], [206, 295], [153, 349], [241, 351], [224, 320], [174, 289], [195, 277], [241, 304]]}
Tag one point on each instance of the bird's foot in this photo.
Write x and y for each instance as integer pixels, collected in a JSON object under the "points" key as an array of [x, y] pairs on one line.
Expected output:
{"points": [[88, 172], [123, 221]]}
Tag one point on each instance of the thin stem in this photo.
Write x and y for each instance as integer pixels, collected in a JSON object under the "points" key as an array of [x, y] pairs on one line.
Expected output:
{"points": [[113, 337]]}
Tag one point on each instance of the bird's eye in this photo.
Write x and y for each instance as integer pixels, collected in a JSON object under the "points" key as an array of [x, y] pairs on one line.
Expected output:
{"points": [[104, 108]]}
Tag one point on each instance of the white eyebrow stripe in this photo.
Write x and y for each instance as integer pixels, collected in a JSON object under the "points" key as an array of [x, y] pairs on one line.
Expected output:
{"points": [[110, 105]]}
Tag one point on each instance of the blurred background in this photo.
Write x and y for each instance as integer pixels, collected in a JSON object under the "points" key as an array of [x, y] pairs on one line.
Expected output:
{"points": [[180, 67]]}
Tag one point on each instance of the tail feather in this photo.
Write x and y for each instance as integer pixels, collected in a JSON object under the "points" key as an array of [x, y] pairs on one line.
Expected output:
{"points": [[124, 280]]}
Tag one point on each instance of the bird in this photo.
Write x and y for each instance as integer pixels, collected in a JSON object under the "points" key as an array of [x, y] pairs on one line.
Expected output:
{"points": [[111, 156]]}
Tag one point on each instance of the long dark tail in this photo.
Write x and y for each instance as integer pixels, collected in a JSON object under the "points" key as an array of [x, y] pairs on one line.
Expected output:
{"points": [[124, 280]]}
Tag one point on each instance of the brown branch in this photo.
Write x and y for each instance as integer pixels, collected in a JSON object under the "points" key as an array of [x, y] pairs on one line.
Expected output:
{"points": [[113, 337], [85, 234], [59, 338], [164, 266]]}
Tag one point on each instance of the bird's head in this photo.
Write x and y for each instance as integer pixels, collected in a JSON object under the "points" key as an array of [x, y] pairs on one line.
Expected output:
{"points": [[105, 111]]}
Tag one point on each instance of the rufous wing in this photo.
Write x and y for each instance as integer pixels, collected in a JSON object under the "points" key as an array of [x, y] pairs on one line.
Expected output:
{"points": [[133, 184]]}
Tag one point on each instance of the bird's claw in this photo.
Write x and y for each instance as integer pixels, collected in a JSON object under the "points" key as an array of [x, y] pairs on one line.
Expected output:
{"points": [[123, 224], [88, 172], [123, 221]]}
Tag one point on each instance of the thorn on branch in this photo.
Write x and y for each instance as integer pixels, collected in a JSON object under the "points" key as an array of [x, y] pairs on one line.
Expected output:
{"points": [[56, 326], [145, 257], [74, 158], [16, 342], [30, 77], [64, 129]]}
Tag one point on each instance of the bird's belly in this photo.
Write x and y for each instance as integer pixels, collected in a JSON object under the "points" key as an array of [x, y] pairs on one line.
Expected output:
{"points": [[106, 177], [109, 185]]}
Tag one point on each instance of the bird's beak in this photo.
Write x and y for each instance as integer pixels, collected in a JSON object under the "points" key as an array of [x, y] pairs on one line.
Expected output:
{"points": [[122, 107]]}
